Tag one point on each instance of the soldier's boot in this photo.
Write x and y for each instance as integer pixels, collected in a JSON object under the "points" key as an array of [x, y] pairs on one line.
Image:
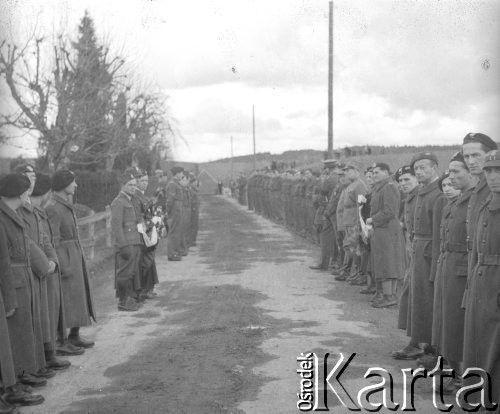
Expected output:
{"points": [[55, 363], [128, 305], [385, 301], [409, 352]]}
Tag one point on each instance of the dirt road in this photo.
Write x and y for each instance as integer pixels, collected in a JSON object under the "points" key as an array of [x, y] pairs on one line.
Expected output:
{"points": [[226, 329]]}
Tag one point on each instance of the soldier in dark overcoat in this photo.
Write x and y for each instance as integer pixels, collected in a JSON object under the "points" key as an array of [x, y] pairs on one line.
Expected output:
{"points": [[17, 281], [128, 245], [482, 300], [386, 242], [425, 248], [409, 185], [174, 204], [39, 198], [17, 341], [76, 285], [451, 273]]}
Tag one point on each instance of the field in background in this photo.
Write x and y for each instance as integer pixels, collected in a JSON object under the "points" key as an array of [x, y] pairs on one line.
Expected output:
{"points": [[221, 169]]}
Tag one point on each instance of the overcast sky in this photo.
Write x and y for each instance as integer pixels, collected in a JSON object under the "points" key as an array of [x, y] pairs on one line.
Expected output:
{"points": [[405, 72]]}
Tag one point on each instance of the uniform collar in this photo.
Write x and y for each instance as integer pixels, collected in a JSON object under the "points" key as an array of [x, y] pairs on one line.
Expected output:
{"points": [[40, 211], [465, 196], [493, 204], [11, 214], [63, 201], [412, 194], [382, 183], [481, 184], [429, 187]]}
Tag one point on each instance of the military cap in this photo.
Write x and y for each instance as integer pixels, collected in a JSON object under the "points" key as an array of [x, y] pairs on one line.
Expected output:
{"points": [[405, 169], [42, 185], [381, 166], [330, 163], [24, 168], [61, 179], [369, 169], [459, 156], [483, 139], [13, 185], [423, 156], [443, 177], [176, 170], [492, 159], [351, 166]]}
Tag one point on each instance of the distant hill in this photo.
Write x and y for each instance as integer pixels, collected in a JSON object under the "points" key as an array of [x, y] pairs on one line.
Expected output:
{"points": [[395, 156]]}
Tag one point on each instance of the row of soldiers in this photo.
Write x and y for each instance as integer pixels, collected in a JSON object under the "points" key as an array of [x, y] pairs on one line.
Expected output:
{"points": [[427, 241], [45, 290], [135, 221]]}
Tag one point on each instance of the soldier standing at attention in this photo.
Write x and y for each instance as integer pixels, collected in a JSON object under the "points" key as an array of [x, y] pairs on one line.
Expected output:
{"points": [[428, 209], [451, 274], [186, 212], [386, 243], [128, 244], [77, 291], [39, 199], [409, 185], [175, 207], [482, 300], [16, 282], [350, 219]]}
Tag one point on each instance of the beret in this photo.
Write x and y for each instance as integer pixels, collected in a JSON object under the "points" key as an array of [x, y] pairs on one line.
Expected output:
{"points": [[176, 170], [24, 168], [459, 156], [423, 156], [492, 159], [42, 185], [382, 166], [61, 179], [369, 169], [406, 169], [13, 185], [445, 175], [481, 139]]}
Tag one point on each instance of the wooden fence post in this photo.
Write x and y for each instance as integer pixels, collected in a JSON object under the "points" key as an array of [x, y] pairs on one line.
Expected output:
{"points": [[108, 227]]}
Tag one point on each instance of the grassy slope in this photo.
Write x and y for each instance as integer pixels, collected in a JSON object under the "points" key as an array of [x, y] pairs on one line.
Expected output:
{"points": [[221, 169]]}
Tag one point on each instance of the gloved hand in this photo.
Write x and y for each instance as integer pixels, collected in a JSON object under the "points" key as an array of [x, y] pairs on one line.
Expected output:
{"points": [[125, 252]]}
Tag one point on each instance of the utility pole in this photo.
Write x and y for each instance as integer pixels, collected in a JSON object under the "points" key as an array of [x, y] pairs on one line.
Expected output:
{"points": [[330, 81], [232, 165], [253, 130]]}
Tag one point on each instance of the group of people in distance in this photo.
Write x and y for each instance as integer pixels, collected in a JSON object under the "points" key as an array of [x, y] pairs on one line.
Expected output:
{"points": [[427, 241], [45, 289]]}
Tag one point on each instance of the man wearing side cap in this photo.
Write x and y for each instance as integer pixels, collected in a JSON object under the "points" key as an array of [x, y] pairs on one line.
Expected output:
{"points": [[174, 205], [77, 291], [425, 252], [482, 301], [16, 282]]}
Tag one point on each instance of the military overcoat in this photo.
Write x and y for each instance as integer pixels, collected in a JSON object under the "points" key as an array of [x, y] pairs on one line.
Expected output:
{"points": [[18, 291], [482, 312], [7, 371], [387, 242], [451, 276], [76, 285], [425, 253]]}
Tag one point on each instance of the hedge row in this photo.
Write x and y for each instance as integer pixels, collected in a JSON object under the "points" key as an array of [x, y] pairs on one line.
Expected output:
{"points": [[96, 189]]}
